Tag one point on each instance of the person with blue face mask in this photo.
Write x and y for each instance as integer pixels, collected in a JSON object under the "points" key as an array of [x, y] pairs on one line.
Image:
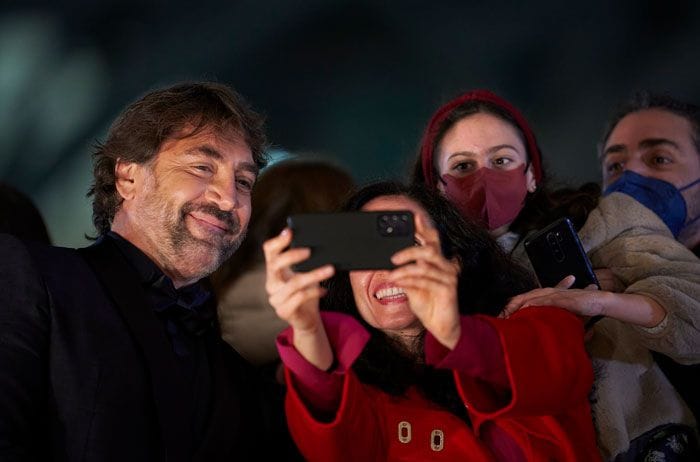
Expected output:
{"points": [[655, 144], [639, 238], [659, 196]]}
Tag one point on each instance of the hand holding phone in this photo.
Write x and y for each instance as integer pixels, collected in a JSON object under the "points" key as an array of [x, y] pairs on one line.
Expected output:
{"points": [[556, 252], [352, 240]]}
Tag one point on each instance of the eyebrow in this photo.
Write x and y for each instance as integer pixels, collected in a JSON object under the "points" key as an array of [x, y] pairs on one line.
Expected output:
{"points": [[213, 153], [489, 150], [652, 142], [644, 144], [249, 167], [207, 150], [501, 146]]}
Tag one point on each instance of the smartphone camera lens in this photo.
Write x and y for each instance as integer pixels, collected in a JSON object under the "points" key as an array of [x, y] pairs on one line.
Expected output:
{"points": [[393, 224]]}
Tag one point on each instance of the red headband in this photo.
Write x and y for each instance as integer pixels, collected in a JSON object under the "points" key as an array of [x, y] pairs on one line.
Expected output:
{"points": [[426, 149]]}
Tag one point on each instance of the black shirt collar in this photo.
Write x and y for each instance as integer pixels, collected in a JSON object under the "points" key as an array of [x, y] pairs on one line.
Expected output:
{"points": [[147, 271]]}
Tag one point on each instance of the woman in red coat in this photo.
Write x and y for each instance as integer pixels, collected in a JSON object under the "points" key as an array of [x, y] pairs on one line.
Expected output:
{"points": [[412, 364]]}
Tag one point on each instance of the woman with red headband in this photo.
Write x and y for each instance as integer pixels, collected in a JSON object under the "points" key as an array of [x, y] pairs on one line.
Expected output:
{"points": [[480, 152]]}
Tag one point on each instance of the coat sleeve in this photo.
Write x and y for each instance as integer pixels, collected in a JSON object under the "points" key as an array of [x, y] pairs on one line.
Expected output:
{"points": [[640, 250], [328, 413], [545, 368], [24, 327]]}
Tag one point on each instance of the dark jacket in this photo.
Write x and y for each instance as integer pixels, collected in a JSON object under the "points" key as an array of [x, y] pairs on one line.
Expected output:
{"points": [[87, 372]]}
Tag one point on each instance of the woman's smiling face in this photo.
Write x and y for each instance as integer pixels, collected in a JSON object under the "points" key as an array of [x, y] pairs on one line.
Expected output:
{"points": [[383, 304]]}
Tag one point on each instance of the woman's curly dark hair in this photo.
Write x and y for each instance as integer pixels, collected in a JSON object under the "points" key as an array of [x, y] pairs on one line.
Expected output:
{"points": [[488, 278]]}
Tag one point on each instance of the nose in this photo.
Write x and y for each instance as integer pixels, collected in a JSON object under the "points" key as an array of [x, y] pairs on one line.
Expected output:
{"points": [[222, 192], [636, 165]]}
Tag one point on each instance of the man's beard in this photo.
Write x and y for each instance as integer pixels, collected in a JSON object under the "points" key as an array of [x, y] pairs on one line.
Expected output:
{"points": [[182, 241]]}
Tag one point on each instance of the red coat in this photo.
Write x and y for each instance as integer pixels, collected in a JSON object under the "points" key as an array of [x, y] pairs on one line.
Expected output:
{"points": [[547, 415]]}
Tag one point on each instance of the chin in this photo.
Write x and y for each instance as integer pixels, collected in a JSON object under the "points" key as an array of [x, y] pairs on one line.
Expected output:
{"points": [[398, 321], [199, 262]]}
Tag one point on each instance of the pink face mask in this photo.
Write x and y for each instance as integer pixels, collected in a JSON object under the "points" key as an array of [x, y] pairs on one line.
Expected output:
{"points": [[494, 197]]}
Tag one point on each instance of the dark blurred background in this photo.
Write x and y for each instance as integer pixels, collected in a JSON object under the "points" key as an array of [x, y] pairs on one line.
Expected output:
{"points": [[350, 81]]}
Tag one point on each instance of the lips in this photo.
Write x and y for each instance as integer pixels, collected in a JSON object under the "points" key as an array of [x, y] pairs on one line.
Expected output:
{"points": [[211, 219], [210, 222], [386, 294]]}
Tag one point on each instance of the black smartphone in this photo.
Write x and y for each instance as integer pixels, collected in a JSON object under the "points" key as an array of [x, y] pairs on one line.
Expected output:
{"points": [[556, 252], [352, 240]]}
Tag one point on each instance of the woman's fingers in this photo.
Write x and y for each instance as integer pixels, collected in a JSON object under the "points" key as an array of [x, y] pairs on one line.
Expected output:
{"points": [[287, 259], [421, 283], [288, 306], [419, 252], [429, 273], [294, 296], [293, 299], [299, 282], [274, 246]]}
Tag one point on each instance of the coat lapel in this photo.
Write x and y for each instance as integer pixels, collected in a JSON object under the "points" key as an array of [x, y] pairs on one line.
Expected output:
{"points": [[169, 392]]}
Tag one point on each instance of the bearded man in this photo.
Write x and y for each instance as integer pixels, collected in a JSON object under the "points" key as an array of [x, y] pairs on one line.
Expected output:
{"points": [[112, 352]]}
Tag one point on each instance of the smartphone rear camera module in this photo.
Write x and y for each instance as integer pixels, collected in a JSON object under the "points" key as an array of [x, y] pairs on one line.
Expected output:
{"points": [[393, 224]]}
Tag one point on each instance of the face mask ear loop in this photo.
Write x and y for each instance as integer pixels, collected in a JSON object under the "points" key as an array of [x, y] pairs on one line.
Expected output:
{"points": [[689, 185], [692, 221]]}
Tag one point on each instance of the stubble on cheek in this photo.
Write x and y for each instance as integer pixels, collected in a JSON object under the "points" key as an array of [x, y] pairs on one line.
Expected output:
{"points": [[203, 256]]}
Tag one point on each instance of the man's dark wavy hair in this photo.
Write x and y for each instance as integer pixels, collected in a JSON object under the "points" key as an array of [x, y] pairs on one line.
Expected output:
{"points": [[487, 280], [139, 132], [645, 99]]}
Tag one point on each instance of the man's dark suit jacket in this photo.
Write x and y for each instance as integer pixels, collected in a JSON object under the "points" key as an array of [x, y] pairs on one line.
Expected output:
{"points": [[87, 372]]}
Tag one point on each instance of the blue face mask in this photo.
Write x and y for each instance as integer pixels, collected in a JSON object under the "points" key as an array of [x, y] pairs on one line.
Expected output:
{"points": [[660, 196]]}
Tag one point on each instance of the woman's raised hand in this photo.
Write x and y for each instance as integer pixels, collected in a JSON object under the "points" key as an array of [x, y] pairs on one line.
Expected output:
{"points": [[430, 282], [295, 297]]}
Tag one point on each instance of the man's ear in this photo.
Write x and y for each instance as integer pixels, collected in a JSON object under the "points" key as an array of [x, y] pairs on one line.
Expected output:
{"points": [[125, 175]]}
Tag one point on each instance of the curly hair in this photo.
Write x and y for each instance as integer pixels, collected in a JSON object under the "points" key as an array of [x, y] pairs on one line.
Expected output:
{"points": [[488, 278], [139, 132]]}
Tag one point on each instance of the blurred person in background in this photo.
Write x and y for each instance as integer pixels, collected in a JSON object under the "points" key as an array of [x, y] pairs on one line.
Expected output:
{"points": [[20, 217], [248, 322]]}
